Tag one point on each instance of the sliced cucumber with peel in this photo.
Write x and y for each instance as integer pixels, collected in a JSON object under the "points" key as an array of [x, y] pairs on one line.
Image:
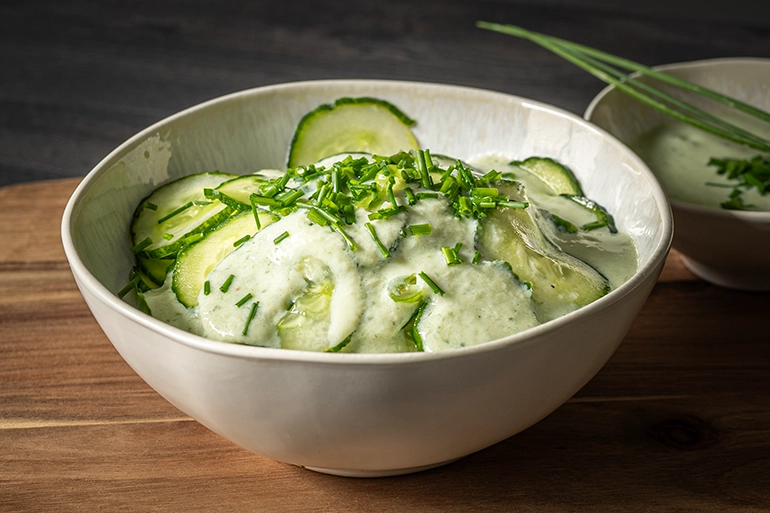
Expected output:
{"points": [[155, 268], [563, 182], [306, 325], [558, 177], [166, 220], [366, 125], [195, 262], [560, 282], [236, 192]]}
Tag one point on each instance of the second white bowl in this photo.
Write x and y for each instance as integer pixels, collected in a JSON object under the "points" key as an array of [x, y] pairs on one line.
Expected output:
{"points": [[726, 247]]}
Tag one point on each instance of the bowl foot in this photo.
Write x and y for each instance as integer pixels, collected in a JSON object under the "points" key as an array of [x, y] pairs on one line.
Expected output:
{"points": [[729, 278], [378, 473]]}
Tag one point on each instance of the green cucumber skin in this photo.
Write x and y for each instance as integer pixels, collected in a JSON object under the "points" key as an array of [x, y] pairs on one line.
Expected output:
{"points": [[222, 191], [522, 230], [240, 225], [545, 168], [171, 248], [308, 118]]}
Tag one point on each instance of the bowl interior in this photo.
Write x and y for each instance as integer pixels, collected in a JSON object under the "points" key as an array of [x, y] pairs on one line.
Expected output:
{"points": [[743, 78], [251, 130]]}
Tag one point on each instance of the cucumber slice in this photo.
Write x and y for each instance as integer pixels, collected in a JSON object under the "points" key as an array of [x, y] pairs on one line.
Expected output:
{"points": [[501, 306], [165, 220], [197, 260], [366, 125], [155, 268], [306, 325], [236, 192], [603, 218], [554, 174], [560, 282]]}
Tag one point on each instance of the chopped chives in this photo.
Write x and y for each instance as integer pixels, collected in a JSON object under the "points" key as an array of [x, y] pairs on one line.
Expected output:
{"points": [[129, 287], [385, 213], [435, 288], [476, 257], [513, 204], [427, 195], [491, 176], [383, 250], [484, 191], [182, 209], [449, 187], [420, 229], [206, 288], [314, 216], [593, 226], [350, 242], [151, 206], [291, 198], [450, 256], [175, 212], [141, 245], [255, 211], [280, 237], [335, 178], [322, 192], [328, 215], [168, 236], [268, 190], [422, 167], [243, 300], [241, 240], [269, 201], [250, 318], [464, 207], [410, 198], [193, 237], [226, 285], [391, 195]]}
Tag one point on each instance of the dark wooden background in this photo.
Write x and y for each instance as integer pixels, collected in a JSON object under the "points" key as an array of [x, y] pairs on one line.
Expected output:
{"points": [[80, 77]]}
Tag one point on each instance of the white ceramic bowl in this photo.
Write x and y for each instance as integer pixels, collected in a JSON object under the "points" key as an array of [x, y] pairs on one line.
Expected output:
{"points": [[353, 414], [725, 247]]}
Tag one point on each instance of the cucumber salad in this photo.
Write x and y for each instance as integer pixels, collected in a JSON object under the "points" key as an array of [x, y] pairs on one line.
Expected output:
{"points": [[368, 243]]}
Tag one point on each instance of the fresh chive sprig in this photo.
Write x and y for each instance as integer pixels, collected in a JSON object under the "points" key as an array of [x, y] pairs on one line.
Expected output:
{"points": [[600, 64]]}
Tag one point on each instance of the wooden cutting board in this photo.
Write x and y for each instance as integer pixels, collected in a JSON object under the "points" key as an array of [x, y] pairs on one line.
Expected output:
{"points": [[679, 419]]}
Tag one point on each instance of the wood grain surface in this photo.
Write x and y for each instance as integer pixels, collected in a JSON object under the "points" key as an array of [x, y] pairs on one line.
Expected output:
{"points": [[678, 420]]}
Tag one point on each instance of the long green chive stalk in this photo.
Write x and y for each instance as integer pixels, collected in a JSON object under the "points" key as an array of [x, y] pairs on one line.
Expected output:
{"points": [[226, 285], [252, 313], [600, 64], [432, 284], [383, 250], [244, 300]]}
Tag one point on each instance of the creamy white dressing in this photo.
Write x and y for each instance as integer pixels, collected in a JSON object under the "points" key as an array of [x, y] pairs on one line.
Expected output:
{"points": [[480, 302], [612, 254], [679, 153]]}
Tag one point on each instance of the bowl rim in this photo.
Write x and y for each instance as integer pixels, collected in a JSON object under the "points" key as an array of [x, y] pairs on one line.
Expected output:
{"points": [[85, 279], [743, 215]]}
